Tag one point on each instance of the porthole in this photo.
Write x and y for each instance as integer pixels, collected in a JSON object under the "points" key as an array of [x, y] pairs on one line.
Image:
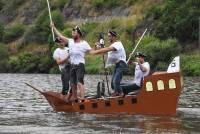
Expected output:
{"points": [[82, 107], [160, 85], [94, 105], [149, 86], [172, 84]]}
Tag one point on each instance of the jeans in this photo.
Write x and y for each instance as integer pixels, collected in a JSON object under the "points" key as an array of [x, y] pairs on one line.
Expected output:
{"points": [[117, 76], [65, 77]]}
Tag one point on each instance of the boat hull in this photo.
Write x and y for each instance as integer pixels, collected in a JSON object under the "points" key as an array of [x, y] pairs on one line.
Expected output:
{"points": [[156, 99]]}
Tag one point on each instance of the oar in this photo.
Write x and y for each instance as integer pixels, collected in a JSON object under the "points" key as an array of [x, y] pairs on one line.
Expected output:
{"points": [[50, 20], [136, 46], [34, 88]]}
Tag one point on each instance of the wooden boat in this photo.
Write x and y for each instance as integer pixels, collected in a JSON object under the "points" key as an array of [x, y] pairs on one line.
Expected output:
{"points": [[159, 96]]}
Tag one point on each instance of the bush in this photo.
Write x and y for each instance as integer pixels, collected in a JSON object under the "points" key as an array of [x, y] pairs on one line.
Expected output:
{"points": [[176, 19], [93, 64], [88, 27], [4, 58], [41, 31], [30, 63], [58, 4], [12, 33], [1, 31], [190, 65], [105, 4], [159, 53]]}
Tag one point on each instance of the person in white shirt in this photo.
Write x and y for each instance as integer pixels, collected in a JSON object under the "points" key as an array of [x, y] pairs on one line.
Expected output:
{"points": [[61, 56], [77, 50], [117, 56], [142, 69]]}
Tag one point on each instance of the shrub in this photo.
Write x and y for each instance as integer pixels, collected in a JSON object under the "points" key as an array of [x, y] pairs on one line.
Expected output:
{"points": [[176, 19], [12, 33], [159, 52], [190, 65], [27, 62], [93, 64], [1, 31], [4, 58], [88, 27]]}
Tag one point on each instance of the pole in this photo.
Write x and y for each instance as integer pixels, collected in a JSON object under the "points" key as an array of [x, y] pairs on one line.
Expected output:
{"points": [[199, 34], [136, 45], [50, 20]]}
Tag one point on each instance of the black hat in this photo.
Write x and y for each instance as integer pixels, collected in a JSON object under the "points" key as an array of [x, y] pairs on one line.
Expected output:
{"points": [[78, 30], [113, 33], [139, 54], [58, 40]]}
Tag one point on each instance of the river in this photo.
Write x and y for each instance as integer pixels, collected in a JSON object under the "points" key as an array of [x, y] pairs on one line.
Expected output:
{"points": [[23, 110]]}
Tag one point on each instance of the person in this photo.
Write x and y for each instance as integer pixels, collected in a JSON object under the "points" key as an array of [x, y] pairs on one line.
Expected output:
{"points": [[77, 50], [142, 69], [61, 56], [117, 56]]}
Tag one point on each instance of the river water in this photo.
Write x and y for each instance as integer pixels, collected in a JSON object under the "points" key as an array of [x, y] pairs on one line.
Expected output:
{"points": [[23, 110]]}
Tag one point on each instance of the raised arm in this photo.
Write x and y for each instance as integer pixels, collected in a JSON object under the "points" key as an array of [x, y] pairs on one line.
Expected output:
{"points": [[57, 32]]}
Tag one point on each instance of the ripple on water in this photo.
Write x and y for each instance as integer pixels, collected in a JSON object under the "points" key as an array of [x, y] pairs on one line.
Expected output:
{"points": [[23, 110]]}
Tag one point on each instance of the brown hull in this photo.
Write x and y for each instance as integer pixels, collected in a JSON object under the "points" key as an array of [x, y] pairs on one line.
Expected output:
{"points": [[161, 99]]}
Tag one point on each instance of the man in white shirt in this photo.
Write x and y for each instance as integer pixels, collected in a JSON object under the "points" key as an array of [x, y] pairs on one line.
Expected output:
{"points": [[142, 69], [61, 56], [77, 50], [117, 56]]}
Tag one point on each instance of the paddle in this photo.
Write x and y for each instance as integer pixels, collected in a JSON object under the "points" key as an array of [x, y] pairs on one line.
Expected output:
{"points": [[136, 46], [50, 19], [34, 88]]}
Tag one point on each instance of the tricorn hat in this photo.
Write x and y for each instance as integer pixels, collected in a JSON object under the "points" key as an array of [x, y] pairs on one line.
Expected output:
{"points": [[140, 54], [112, 32], [78, 30]]}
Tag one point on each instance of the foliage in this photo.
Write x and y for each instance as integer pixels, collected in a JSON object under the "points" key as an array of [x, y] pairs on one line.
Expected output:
{"points": [[41, 31], [13, 32], [105, 4], [88, 27], [4, 58], [58, 4], [28, 62], [159, 53], [93, 64], [190, 65], [1, 31], [176, 19]]}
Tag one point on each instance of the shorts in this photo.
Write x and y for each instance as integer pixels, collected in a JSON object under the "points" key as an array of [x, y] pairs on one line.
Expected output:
{"points": [[77, 73]]}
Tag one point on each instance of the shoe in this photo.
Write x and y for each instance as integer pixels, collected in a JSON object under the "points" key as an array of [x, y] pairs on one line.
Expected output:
{"points": [[114, 94]]}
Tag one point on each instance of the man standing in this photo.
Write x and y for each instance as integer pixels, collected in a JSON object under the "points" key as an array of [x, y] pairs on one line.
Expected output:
{"points": [[77, 50], [61, 56], [117, 56]]}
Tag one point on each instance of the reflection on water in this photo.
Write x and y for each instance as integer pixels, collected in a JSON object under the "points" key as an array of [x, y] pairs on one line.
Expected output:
{"points": [[22, 110]]}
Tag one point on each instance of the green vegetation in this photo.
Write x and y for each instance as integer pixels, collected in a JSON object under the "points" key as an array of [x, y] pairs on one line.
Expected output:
{"points": [[30, 63], [12, 33], [174, 27], [1, 31], [176, 19], [105, 4], [159, 53], [4, 58], [190, 64]]}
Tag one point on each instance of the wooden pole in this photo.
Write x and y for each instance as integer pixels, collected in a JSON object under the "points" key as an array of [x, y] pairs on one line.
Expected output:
{"points": [[199, 34], [50, 19], [136, 46]]}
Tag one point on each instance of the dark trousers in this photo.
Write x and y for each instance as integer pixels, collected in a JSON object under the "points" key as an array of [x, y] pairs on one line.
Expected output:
{"points": [[65, 77], [117, 76]]}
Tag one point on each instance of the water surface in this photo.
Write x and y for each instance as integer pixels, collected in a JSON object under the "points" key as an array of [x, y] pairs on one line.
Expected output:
{"points": [[23, 110]]}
